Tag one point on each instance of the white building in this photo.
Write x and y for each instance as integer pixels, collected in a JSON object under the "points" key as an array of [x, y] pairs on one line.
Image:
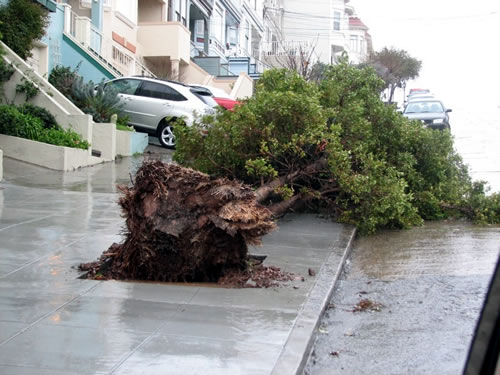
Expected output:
{"points": [[329, 27]]}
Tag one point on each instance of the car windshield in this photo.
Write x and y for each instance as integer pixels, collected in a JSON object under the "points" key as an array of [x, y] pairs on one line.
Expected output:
{"points": [[424, 107]]}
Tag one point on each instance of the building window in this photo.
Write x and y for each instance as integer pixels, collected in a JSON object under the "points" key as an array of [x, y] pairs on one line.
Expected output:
{"points": [[354, 43], [184, 12], [232, 35], [180, 11], [217, 24], [246, 40], [177, 10], [336, 21]]}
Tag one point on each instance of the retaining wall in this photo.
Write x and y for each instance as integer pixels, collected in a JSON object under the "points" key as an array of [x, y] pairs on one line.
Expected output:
{"points": [[129, 143], [45, 155]]}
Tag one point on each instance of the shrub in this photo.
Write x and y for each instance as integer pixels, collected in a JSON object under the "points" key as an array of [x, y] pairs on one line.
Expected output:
{"points": [[100, 101], [48, 120], [63, 78], [17, 124], [23, 23], [122, 124]]}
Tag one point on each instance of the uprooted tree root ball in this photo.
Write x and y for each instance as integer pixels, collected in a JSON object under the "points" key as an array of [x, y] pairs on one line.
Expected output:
{"points": [[182, 225]]}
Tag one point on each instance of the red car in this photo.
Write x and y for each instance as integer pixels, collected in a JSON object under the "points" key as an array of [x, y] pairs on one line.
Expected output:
{"points": [[220, 96]]}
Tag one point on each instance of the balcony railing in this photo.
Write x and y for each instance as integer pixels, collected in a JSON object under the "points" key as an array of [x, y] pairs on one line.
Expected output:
{"points": [[286, 48], [106, 50]]}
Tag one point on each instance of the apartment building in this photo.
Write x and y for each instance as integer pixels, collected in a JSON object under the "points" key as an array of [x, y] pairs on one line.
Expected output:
{"points": [[322, 30], [196, 41]]}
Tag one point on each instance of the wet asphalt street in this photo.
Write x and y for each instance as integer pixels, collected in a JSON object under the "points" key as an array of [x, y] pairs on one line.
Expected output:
{"points": [[425, 285]]}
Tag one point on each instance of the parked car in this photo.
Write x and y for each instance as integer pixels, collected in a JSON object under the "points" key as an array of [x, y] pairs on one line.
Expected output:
{"points": [[153, 105], [418, 91], [420, 97], [430, 112], [220, 96]]}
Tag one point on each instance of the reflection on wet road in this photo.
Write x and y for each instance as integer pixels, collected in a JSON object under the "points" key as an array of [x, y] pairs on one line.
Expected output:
{"points": [[100, 178], [431, 282]]}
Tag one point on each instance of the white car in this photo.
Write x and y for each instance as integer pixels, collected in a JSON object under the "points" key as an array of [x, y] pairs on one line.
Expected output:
{"points": [[153, 105]]}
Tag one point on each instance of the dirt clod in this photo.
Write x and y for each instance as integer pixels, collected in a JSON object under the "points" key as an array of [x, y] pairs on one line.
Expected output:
{"points": [[367, 305]]}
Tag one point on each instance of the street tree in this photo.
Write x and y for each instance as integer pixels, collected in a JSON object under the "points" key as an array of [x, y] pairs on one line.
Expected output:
{"points": [[395, 67]]}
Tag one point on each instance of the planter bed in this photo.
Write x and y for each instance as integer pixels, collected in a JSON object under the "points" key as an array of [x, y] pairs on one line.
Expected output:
{"points": [[45, 155]]}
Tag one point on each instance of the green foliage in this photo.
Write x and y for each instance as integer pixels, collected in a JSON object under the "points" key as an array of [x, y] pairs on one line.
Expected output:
{"points": [[28, 88], [6, 70], [482, 208], [48, 120], [23, 23], [101, 101], [25, 125], [63, 78], [381, 170], [122, 124], [255, 142]]}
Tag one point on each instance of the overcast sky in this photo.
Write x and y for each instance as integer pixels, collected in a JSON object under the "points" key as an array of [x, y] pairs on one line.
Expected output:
{"points": [[457, 41]]}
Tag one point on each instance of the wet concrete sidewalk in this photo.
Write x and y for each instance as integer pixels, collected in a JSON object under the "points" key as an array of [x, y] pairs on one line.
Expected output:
{"points": [[52, 322]]}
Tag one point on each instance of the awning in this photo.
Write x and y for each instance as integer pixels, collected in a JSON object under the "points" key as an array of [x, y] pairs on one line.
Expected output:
{"points": [[49, 4]]}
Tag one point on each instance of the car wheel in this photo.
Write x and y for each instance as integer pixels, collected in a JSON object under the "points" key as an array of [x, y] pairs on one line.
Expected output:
{"points": [[166, 135]]}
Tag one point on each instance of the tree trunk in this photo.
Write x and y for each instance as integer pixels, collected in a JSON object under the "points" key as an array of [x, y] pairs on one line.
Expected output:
{"points": [[262, 193], [392, 89]]}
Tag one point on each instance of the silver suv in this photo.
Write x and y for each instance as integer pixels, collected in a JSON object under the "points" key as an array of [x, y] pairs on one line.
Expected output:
{"points": [[153, 105]]}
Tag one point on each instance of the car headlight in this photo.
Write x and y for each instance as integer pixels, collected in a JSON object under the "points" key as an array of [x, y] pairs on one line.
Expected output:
{"points": [[437, 121]]}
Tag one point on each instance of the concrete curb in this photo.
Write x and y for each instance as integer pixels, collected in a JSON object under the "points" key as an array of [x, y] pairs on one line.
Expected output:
{"points": [[295, 352]]}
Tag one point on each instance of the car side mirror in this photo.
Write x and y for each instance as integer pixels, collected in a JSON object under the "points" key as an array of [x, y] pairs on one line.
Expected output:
{"points": [[448, 110]]}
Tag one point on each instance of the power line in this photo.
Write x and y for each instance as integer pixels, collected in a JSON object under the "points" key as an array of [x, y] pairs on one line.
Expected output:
{"points": [[310, 15]]}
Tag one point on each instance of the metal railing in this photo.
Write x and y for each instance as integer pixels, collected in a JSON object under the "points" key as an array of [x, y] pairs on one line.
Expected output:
{"points": [[285, 48], [107, 51]]}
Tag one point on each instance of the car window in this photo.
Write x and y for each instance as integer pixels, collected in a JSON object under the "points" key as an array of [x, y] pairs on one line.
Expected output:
{"points": [[126, 86], [413, 108], [424, 107], [159, 91], [205, 96], [436, 107]]}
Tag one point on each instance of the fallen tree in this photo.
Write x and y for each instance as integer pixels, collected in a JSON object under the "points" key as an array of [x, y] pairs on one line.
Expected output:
{"points": [[335, 147], [182, 225], [332, 147]]}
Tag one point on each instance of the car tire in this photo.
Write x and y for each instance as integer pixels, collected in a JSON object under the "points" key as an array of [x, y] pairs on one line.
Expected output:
{"points": [[166, 135]]}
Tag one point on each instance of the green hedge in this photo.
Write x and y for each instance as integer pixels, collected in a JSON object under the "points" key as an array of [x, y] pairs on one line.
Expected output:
{"points": [[25, 125]]}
